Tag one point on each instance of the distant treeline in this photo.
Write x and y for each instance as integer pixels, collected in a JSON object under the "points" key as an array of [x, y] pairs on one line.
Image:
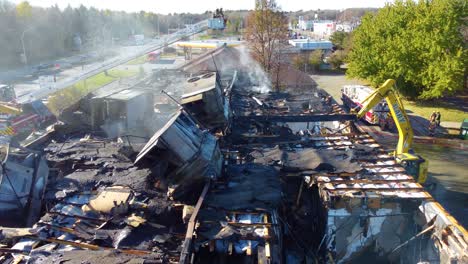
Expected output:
{"points": [[49, 33]]}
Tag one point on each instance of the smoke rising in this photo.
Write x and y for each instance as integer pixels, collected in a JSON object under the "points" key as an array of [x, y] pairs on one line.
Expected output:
{"points": [[259, 79]]}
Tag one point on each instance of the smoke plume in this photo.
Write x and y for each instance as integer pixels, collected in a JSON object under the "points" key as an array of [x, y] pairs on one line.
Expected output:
{"points": [[258, 77]]}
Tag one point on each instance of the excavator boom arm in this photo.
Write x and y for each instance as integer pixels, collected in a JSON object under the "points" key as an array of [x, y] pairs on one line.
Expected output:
{"points": [[405, 131]]}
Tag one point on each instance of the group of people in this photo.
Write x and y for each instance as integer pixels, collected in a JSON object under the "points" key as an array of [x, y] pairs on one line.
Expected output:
{"points": [[434, 122]]}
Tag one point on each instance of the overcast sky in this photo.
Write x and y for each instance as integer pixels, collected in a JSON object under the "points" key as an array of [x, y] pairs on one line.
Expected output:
{"points": [[200, 6]]}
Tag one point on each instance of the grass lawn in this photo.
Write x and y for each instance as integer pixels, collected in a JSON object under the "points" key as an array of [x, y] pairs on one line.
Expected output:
{"points": [[204, 37], [137, 61], [425, 109], [64, 98], [101, 79]]}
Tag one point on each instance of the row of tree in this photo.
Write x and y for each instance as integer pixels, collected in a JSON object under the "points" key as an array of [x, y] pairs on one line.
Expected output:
{"points": [[48, 33], [420, 44]]}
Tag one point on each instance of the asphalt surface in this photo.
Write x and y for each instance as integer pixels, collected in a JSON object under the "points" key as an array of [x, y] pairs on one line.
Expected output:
{"points": [[31, 90]]}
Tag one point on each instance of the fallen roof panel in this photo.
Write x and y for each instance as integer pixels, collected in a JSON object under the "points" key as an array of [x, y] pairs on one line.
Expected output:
{"points": [[155, 138]]}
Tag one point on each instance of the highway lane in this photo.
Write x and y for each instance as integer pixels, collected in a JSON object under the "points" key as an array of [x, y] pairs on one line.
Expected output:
{"points": [[113, 62], [31, 90]]}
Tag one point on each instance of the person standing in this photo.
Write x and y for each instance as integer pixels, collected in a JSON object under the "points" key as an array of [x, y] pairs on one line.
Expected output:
{"points": [[432, 128], [432, 118], [437, 118]]}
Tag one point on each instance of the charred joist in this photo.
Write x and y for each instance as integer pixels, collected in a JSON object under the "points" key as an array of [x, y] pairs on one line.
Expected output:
{"points": [[366, 181], [390, 166], [296, 118], [311, 141], [186, 252], [342, 174], [376, 189], [373, 160]]}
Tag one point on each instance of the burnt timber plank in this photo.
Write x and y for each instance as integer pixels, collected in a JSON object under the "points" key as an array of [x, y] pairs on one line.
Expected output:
{"points": [[296, 118], [186, 252]]}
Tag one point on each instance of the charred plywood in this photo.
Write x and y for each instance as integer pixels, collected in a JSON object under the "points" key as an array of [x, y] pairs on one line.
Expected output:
{"points": [[373, 213], [110, 223]]}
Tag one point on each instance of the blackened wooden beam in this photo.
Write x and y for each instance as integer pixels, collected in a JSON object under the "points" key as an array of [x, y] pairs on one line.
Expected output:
{"points": [[297, 118]]}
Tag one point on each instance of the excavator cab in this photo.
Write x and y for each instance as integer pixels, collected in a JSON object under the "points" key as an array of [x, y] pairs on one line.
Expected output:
{"points": [[414, 165]]}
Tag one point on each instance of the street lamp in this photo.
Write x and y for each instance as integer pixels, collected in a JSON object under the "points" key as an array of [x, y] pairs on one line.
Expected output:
{"points": [[22, 43]]}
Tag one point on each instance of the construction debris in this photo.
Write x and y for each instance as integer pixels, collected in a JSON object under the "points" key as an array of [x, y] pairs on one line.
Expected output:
{"points": [[23, 177], [217, 169]]}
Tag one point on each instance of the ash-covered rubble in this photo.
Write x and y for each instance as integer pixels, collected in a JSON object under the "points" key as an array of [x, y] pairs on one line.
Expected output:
{"points": [[287, 178], [119, 197], [290, 101], [263, 117], [97, 199]]}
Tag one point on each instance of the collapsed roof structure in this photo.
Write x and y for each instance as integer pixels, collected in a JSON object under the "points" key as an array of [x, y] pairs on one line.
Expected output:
{"points": [[218, 169]]}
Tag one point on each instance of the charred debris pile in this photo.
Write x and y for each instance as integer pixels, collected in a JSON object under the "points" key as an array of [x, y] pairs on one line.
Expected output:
{"points": [[118, 176], [199, 165]]}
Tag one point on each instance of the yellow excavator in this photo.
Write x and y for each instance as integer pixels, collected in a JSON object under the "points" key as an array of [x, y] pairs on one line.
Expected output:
{"points": [[414, 164]]}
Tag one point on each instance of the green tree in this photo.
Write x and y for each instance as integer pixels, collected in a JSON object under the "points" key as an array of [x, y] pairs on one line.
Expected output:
{"points": [[24, 10], [315, 59], [337, 59], [338, 39], [266, 29], [418, 44]]}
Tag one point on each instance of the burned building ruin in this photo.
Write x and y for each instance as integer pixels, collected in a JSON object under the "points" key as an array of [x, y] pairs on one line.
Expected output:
{"points": [[199, 165]]}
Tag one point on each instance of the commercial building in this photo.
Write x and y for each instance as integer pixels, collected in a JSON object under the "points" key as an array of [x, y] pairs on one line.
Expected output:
{"points": [[324, 28]]}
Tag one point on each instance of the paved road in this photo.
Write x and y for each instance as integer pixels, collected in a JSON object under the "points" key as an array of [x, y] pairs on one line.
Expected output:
{"points": [[28, 93], [332, 84]]}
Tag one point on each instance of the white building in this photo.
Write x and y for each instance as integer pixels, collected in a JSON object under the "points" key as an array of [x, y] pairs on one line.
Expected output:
{"points": [[324, 28]]}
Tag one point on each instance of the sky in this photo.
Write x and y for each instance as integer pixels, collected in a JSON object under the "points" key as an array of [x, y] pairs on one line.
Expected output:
{"points": [[200, 6]]}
